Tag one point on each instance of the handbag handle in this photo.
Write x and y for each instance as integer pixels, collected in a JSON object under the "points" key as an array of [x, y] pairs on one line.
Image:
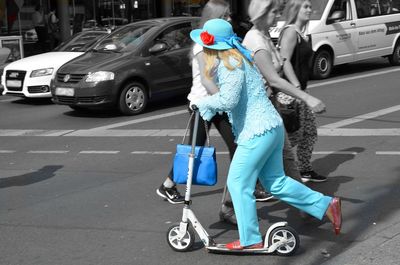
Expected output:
{"points": [[187, 129]]}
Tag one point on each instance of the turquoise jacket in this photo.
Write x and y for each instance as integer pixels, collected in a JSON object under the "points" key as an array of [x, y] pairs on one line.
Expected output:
{"points": [[243, 96]]}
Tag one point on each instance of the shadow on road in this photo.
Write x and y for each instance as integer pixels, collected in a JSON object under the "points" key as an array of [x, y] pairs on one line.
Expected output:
{"points": [[153, 106], [33, 101], [44, 173], [360, 67], [310, 226]]}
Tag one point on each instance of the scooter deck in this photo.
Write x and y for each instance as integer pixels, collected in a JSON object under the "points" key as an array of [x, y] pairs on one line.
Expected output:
{"points": [[222, 248]]}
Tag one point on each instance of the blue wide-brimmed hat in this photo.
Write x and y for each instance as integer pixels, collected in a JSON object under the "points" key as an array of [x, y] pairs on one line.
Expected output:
{"points": [[217, 34]]}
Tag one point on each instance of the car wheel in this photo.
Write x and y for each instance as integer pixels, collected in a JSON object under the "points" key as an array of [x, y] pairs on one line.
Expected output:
{"points": [[322, 66], [133, 99], [394, 59]]}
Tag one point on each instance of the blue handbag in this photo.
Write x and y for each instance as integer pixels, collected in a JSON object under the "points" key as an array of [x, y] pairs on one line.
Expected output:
{"points": [[205, 163]]}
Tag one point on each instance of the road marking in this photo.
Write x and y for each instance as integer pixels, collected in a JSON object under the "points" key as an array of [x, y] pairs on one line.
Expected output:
{"points": [[322, 131], [151, 153], [171, 153], [387, 153], [99, 152], [362, 117], [358, 132], [353, 78], [11, 132], [151, 118], [7, 151], [334, 153], [49, 152]]}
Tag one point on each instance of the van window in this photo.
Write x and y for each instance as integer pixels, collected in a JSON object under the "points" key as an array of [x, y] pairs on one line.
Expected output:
{"points": [[371, 8], [341, 6]]}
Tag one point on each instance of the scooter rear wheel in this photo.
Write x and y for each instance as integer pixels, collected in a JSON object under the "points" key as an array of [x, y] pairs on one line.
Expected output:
{"points": [[185, 243], [288, 234]]}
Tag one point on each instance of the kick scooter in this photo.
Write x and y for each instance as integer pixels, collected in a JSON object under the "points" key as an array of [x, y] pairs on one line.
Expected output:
{"points": [[280, 238]]}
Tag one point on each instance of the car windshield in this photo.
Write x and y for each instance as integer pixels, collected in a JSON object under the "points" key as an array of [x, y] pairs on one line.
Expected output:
{"points": [[318, 7], [81, 42], [124, 40]]}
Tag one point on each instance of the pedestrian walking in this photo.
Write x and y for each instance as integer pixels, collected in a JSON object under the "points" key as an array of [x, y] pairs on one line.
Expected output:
{"points": [[203, 87], [258, 130], [296, 50], [53, 29], [271, 64], [39, 23]]}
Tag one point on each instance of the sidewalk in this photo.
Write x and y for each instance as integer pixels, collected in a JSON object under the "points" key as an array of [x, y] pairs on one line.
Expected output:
{"points": [[380, 248]]}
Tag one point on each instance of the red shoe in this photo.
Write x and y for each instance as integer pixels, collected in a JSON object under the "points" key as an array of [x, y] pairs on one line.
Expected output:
{"points": [[336, 211], [235, 245]]}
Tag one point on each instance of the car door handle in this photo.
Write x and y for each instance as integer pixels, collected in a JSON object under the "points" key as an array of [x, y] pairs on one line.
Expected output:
{"points": [[353, 24]]}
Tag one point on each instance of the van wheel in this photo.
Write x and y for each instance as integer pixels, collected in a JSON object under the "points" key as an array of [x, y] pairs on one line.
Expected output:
{"points": [[133, 99], [323, 64], [394, 59]]}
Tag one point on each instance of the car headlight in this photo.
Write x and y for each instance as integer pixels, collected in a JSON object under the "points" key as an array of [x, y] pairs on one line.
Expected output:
{"points": [[42, 72], [100, 76]]}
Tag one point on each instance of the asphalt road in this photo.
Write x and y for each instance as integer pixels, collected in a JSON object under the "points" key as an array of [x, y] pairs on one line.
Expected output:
{"points": [[79, 188]]}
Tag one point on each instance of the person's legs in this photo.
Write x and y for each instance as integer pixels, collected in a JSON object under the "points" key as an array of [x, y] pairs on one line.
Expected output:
{"points": [[290, 160], [221, 123], [307, 140], [168, 189], [306, 145], [245, 168], [287, 189]]}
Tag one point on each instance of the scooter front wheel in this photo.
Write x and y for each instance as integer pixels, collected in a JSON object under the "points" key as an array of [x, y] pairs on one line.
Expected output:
{"points": [[183, 244], [289, 239]]}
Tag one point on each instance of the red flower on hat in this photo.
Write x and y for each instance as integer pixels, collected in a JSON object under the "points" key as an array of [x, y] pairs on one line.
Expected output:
{"points": [[207, 38]]}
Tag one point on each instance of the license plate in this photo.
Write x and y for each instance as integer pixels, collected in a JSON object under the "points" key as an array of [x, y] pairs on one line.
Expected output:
{"points": [[63, 91], [13, 83]]}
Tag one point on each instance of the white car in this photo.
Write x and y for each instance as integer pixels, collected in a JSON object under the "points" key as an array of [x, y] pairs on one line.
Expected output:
{"points": [[31, 76]]}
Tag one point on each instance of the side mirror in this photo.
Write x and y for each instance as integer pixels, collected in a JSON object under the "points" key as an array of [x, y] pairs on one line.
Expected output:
{"points": [[111, 47], [158, 47], [336, 17]]}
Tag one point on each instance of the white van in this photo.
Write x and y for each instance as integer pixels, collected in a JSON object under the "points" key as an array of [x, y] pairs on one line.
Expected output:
{"points": [[345, 31]]}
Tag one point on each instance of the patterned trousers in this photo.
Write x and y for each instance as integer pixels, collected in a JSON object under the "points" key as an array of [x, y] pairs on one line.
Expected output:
{"points": [[305, 138]]}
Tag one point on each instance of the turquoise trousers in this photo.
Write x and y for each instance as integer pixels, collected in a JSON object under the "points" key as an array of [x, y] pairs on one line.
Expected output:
{"points": [[261, 157]]}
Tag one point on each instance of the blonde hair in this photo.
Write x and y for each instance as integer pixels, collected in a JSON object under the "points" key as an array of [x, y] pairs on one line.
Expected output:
{"points": [[210, 57], [292, 10], [258, 8], [213, 9]]}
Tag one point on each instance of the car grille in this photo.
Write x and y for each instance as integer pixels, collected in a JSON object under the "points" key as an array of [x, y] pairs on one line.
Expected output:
{"points": [[38, 89], [76, 100], [73, 79], [15, 75]]}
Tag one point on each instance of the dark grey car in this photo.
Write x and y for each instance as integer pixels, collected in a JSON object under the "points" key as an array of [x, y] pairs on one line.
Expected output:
{"points": [[138, 62]]}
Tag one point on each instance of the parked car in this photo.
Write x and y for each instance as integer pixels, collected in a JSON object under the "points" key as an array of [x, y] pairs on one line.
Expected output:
{"points": [[89, 24], [30, 35], [31, 76], [114, 21], [137, 62]]}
